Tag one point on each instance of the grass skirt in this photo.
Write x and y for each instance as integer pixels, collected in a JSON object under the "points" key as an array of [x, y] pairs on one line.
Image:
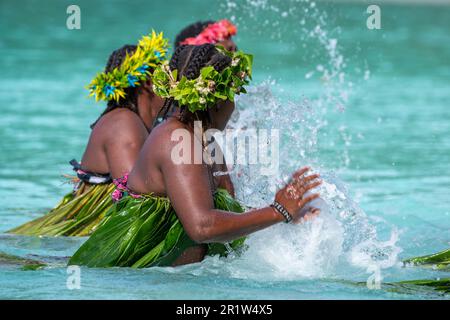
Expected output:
{"points": [[145, 232], [440, 260], [78, 213]]}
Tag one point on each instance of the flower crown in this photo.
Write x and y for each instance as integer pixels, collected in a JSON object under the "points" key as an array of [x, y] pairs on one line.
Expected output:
{"points": [[149, 53], [209, 87], [213, 33]]}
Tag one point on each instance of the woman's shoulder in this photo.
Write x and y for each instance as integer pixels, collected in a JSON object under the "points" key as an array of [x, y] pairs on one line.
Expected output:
{"points": [[168, 128], [165, 136], [122, 123], [121, 117]]}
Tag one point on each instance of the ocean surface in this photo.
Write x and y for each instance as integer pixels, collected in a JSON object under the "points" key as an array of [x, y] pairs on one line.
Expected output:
{"points": [[369, 109]]}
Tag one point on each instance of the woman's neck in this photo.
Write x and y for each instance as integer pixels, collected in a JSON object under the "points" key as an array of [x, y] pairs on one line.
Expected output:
{"points": [[149, 106]]}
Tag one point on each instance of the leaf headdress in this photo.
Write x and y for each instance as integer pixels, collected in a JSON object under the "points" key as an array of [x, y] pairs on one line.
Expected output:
{"points": [[150, 52], [209, 87]]}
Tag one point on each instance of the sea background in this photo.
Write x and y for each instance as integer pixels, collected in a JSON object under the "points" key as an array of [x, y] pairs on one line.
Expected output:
{"points": [[369, 109]]}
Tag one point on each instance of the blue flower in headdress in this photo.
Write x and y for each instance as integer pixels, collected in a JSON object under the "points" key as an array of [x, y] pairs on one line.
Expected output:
{"points": [[132, 80], [108, 90], [157, 54], [142, 68]]}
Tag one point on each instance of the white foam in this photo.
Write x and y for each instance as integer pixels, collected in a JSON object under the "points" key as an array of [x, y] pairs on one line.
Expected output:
{"points": [[341, 239]]}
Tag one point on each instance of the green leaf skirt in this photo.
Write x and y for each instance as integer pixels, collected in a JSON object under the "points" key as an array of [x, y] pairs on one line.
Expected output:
{"points": [[78, 213], [145, 232], [440, 260]]}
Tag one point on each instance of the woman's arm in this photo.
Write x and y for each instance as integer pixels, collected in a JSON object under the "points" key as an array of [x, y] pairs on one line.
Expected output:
{"points": [[188, 188]]}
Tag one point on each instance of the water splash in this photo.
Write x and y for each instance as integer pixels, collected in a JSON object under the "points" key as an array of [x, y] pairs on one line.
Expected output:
{"points": [[299, 124], [342, 240], [316, 34], [340, 243]]}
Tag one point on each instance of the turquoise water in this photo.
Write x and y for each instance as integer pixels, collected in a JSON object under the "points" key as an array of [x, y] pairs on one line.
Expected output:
{"points": [[367, 108]]}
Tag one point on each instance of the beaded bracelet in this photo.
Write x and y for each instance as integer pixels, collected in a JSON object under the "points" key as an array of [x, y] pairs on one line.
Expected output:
{"points": [[282, 210]]}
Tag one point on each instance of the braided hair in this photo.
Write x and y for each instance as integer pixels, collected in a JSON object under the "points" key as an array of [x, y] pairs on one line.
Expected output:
{"points": [[192, 30], [130, 101], [189, 60]]}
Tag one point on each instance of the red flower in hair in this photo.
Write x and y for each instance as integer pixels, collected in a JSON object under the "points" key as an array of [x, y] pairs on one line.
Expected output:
{"points": [[213, 33]]}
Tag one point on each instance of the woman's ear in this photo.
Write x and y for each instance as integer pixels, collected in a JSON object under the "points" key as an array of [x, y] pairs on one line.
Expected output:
{"points": [[147, 86], [149, 83]]}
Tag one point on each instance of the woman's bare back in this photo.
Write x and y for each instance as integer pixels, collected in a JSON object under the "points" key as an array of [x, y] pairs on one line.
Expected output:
{"points": [[114, 143]]}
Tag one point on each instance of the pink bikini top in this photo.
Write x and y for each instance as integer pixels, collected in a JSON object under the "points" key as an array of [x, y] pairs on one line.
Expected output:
{"points": [[122, 189]]}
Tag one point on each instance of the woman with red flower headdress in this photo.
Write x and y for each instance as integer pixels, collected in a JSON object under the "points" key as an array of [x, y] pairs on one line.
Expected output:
{"points": [[218, 33]]}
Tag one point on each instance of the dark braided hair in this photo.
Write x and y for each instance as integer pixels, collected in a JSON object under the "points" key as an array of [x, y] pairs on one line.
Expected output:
{"points": [[130, 101], [191, 30], [189, 60]]}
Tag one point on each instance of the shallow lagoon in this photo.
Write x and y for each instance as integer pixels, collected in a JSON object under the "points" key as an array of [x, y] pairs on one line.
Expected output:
{"points": [[377, 126]]}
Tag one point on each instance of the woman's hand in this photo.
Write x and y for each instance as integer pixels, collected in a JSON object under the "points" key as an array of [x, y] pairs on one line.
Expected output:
{"points": [[292, 196]]}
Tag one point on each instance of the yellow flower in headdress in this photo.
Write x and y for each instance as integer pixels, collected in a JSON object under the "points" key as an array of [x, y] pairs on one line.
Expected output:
{"points": [[150, 52]]}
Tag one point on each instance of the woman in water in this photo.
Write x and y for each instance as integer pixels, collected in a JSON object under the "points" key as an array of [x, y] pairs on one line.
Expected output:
{"points": [[173, 212], [115, 141], [215, 32]]}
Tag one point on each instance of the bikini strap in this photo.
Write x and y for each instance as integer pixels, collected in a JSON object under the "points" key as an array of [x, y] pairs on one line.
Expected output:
{"points": [[89, 177]]}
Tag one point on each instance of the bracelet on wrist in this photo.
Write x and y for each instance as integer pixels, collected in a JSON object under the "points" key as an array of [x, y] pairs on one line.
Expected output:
{"points": [[282, 210]]}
